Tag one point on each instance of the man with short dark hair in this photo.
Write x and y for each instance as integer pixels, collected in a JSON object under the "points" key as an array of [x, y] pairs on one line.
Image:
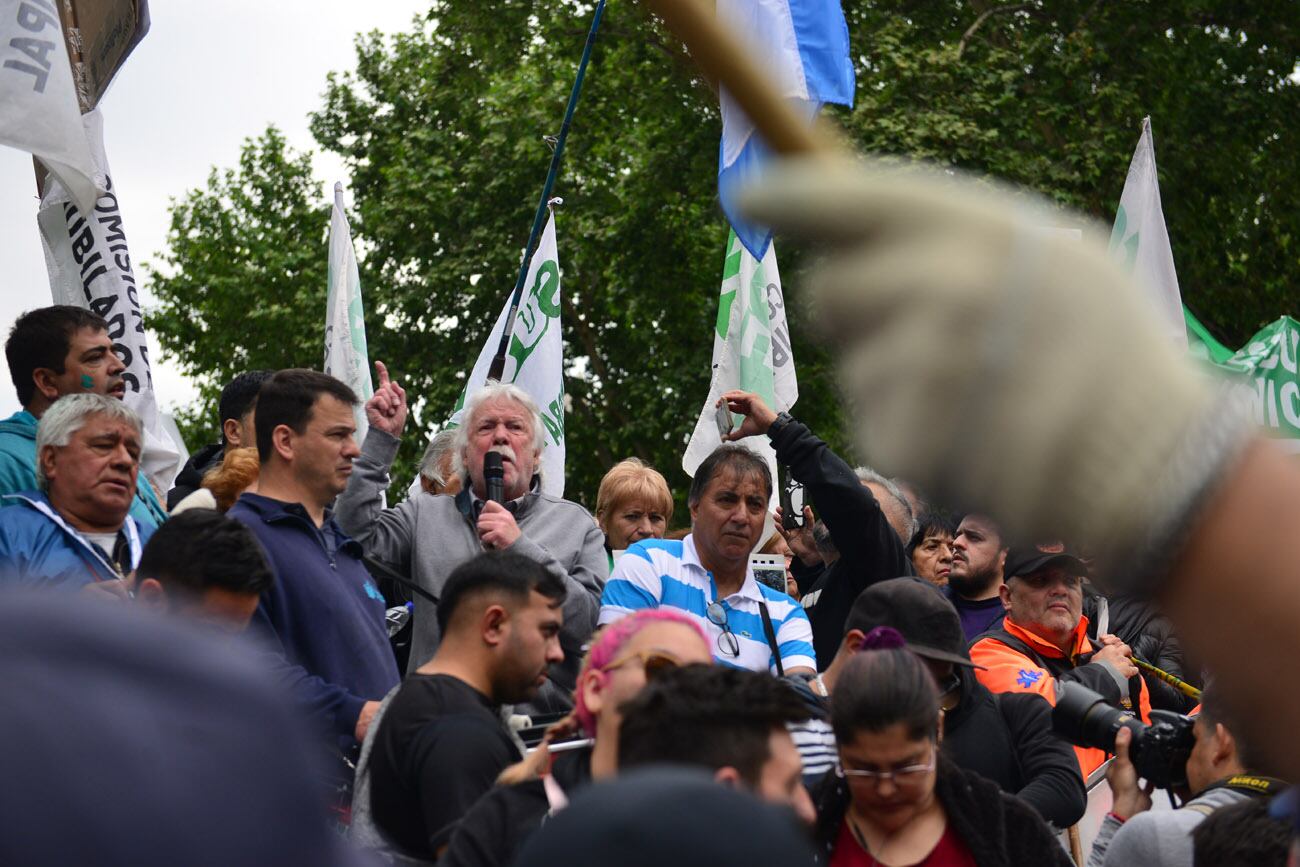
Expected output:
{"points": [[428, 537], [1006, 738], [323, 612], [1243, 835], [707, 575], [728, 720], [440, 742], [1044, 639], [205, 566], [975, 579], [77, 531], [865, 523], [235, 412], [1221, 772], [55, 351]]}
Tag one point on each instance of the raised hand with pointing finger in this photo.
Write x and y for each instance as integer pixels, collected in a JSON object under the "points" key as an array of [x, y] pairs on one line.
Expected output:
{"points": [[387, 409]]}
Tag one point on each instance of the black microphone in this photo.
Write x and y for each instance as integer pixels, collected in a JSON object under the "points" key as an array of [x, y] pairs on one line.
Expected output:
{"points": [[494, 476]]}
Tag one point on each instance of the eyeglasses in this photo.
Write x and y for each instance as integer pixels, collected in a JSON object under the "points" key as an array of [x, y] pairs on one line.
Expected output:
{"points": [[653, 661], [910, 775], [727, 641]]}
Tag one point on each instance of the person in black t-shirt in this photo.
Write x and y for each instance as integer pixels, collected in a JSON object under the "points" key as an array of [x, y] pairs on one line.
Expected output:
{"points": [[441, 743], [620, 660]]}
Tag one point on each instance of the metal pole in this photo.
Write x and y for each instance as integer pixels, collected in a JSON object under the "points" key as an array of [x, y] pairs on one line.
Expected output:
{"points": [[499, 360]]}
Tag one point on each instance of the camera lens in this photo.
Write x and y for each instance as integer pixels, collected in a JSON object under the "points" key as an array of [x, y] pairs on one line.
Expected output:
{"points": [[1082, 717]]}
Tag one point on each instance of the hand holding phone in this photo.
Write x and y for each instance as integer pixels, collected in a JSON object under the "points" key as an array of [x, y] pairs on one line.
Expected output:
{"points": [[722, 416]]}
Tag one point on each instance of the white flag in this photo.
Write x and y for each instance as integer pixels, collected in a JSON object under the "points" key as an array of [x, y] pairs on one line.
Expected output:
{"points": [[90, 266], [1140, 241], [39, 112], [535, 358], [751, 350], [346, 357]]}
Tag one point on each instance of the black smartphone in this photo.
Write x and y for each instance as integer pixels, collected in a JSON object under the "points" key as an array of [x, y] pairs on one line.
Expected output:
{"points": [[792, 500]]}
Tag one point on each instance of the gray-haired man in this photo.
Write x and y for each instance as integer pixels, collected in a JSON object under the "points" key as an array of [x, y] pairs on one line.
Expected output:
{"points": [[427, 537], [438, 465], [75, 531]]}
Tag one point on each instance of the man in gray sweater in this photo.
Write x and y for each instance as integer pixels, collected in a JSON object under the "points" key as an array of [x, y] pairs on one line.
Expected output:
{"points": [[1217, 775], [428, 536]]}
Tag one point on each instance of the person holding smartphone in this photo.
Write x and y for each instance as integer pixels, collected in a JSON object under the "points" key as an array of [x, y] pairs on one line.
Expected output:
{"points": [[856, 514]]}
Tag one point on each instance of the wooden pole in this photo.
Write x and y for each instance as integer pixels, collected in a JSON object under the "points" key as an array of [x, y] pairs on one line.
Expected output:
{"points": [[724, 59]]}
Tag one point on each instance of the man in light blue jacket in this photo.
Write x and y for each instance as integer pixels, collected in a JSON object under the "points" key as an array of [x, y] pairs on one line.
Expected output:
{"points": [[54, 351]]}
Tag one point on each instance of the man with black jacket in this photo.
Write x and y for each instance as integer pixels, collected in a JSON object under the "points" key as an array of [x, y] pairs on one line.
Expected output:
{"points": [[870, 549], [235, 412], [1151, 636], [1006, 738]]}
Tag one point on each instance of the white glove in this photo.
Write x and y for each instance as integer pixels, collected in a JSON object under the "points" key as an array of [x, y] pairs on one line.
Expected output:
{"points": [[1002, 368]]}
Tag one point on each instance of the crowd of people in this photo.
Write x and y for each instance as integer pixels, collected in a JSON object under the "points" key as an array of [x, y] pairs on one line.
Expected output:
{"points": [[485, 674]]}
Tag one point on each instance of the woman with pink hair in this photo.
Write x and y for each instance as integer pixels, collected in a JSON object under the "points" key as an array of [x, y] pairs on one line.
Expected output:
{"points": [[619, 660]]}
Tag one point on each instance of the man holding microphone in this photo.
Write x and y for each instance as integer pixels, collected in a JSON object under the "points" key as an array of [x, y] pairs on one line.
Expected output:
{"points": [[426, 537]]}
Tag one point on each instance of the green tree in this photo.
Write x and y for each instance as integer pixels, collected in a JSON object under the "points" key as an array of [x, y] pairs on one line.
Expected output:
{"points": [[243, 282], [442, 127]]}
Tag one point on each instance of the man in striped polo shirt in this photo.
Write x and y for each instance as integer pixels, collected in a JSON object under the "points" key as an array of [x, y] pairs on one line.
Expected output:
{"points": [[707, 574]]}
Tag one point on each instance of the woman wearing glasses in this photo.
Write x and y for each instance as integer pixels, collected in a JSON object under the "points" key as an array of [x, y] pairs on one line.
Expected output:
{"points": [[896, 801]]}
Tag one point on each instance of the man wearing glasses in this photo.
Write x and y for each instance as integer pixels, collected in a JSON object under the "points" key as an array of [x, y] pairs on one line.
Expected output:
{"points": [[707, 574]]}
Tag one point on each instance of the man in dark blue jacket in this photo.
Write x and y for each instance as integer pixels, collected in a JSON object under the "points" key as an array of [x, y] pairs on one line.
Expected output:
{"points": [[323, 613]]}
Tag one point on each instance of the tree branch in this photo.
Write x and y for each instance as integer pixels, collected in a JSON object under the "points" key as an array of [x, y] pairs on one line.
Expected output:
{"points": [[984, 16]]}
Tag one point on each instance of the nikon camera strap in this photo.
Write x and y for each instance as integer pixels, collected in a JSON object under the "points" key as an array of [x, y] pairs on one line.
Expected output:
{"points": [[1257, 787]]}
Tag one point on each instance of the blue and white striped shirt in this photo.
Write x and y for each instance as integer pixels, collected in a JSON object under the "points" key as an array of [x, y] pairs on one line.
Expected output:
{"points": [[660, 572]]}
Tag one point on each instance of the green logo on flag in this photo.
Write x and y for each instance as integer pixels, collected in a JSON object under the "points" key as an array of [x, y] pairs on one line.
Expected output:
{"points": [[1124, 250], [535, 315]]}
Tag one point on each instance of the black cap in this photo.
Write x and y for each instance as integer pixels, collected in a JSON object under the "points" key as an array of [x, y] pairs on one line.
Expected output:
{"points": [[1028, 560], [667, 815], [919, 612]]}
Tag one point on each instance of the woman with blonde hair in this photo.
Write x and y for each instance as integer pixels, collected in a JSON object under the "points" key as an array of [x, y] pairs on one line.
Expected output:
{"points": [[633, 503]]}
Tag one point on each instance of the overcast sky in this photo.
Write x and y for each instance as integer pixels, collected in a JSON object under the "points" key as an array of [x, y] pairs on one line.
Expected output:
{"points": [[208, 75]]}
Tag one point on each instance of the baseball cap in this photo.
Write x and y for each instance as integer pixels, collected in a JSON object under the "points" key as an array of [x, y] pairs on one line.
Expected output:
{"points": [[1029, 559], [919, 612]]}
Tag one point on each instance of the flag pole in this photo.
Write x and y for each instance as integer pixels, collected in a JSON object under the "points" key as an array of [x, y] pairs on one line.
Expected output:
{"points": [[497, 369]]}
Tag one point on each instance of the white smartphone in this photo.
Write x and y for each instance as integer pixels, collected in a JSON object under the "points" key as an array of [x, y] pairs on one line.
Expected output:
{"points": [[769, 569]]}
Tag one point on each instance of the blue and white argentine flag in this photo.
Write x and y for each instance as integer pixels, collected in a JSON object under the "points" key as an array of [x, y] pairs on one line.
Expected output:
{"points": [[804, 44]]}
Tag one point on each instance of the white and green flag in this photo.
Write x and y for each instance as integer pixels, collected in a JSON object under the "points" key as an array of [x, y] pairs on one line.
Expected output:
{"points": [[535, 357], [89, 263], [346, 357], [751, 349], [1140, 242]]}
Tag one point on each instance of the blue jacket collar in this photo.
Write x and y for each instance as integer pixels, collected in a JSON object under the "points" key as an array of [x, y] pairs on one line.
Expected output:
{"points": [[38, 501], [277, 512]]}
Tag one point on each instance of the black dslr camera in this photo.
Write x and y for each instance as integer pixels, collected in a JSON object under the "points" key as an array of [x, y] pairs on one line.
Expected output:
{"points": [[1158, 751]]}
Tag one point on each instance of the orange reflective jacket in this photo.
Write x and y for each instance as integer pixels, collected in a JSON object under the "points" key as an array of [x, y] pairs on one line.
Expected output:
{"points": [[1007, 669]]}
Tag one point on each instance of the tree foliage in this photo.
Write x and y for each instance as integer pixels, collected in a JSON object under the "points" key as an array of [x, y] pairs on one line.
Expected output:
{"points": [[242, 284], [441, 128]]}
